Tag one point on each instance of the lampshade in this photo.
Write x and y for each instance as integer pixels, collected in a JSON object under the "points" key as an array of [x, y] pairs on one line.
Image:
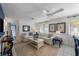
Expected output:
{"points": [[57, 32], [34, 29]]}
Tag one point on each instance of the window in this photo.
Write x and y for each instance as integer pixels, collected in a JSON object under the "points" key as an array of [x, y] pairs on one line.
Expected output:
{"points": [[43, 28]]}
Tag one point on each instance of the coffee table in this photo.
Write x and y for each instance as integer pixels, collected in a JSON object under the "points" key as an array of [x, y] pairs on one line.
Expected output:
{"points": [[38, 43]]}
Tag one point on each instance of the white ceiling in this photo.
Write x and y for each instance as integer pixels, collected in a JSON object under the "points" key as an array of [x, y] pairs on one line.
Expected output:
{"points": [[28, 10]]}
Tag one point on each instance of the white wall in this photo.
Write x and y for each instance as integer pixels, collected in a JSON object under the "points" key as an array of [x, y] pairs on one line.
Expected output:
{"points": [[6, 23], [39, 25], [46, 24], [25, 22], [59, 20]]}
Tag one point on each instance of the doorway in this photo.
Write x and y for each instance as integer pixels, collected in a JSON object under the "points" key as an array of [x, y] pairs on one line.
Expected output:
{"points": [[13, 31]]}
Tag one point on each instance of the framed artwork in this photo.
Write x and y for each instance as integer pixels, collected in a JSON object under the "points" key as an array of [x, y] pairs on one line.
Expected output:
{"points": [[26, 28], [52, 27], [61, 27]]}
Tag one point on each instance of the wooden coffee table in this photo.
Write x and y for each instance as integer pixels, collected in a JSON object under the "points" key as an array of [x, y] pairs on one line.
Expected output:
{"points": [[38, 43]]}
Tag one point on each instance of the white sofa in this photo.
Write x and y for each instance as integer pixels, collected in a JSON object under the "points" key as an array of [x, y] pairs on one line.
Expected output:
{"points": [[48, 41], [46, 37]]}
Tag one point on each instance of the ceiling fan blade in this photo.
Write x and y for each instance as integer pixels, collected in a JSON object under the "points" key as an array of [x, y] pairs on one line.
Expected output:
{"points": [[57, 11]]}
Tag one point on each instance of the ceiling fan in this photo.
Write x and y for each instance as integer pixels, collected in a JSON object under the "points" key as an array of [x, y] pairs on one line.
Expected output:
{"points": [[47, 12]]}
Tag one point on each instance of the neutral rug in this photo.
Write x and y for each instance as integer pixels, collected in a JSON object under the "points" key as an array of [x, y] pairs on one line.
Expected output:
{"points": [[25, 49]]}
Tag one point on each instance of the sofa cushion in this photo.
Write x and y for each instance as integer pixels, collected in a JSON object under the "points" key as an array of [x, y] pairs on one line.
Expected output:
{"points": [[45, 35]]}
